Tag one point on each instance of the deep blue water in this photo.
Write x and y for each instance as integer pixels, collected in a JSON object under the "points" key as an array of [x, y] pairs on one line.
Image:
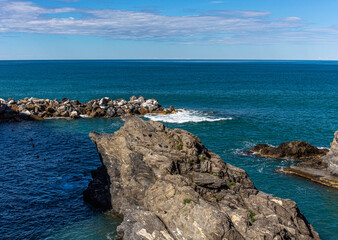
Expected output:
{"points": [[267, 101]]}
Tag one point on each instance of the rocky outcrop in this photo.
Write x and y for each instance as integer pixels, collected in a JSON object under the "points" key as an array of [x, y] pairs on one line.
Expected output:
{"points": [[293, 150], [37, 109], [332, 157], [167, 185], [323, 170]]}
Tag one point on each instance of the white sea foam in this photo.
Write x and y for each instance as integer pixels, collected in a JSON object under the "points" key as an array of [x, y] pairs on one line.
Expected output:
{"points": [[324, 148], [67, 118], [184, 116], [52, 118]]}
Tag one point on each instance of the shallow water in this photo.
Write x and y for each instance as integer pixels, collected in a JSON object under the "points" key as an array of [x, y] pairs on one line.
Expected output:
{"points": [[232, 105]]}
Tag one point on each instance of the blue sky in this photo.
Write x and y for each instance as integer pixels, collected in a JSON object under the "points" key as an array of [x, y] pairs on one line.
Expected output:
{"points": [[157, 29]]}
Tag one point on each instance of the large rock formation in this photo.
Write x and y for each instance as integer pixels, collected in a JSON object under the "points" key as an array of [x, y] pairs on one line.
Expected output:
{"points": [[167, 185], [322, 170], [293, 150], [37, 109], [332, 157]]}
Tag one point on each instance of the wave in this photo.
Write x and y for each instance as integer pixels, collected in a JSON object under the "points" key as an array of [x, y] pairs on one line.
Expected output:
{"points": [[52, 118], [184, 116]]}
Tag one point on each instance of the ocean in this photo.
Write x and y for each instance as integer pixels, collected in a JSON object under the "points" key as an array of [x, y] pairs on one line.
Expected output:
{"points": [[231, 106]]}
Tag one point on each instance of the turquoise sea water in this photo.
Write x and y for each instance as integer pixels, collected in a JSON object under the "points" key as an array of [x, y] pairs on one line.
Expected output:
{"points": [[252, 102]]}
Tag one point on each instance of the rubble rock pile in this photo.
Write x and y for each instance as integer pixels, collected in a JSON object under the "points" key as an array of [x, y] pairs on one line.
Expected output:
{"points": [[38, 109]]}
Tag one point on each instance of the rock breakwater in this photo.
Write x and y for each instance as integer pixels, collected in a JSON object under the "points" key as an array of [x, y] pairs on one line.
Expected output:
{"points": [[167, 185], [38, 109]]}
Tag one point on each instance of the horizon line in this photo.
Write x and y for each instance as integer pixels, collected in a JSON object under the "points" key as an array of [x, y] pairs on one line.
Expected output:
{"points": [[164, 59]]}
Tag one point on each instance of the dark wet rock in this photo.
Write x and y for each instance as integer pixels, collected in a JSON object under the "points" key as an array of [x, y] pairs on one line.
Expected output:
{"points": [[292, 150], [322, 170], [34, 108], [97, 193], [167, 185]]}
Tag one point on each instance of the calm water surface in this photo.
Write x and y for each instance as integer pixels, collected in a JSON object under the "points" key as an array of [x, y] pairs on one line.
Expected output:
{"points": [[252, 102]]}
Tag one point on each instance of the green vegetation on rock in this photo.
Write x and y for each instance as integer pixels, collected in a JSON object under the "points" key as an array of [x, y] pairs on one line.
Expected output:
{"points": [[231, 184], [201, 158], [252, 214]]}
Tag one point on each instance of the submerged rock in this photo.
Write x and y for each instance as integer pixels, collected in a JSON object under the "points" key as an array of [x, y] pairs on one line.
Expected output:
{"points": [[167, 185], [294, 150], [322, 170]]}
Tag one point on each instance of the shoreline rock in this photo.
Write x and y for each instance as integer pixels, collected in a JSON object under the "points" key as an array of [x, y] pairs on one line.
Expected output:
{"points": [[323, 170], [38, 109], [293, 150], [167, 185]]}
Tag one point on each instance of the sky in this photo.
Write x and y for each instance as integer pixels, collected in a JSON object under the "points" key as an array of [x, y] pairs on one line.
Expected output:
{"points": [[172, 29]]}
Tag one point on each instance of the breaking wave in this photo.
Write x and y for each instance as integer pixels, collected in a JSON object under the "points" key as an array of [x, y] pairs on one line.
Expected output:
{"points": [[184, 116]]}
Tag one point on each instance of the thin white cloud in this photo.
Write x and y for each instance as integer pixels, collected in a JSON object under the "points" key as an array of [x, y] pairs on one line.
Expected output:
{"points": [[216, 27], [239, 13]]}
